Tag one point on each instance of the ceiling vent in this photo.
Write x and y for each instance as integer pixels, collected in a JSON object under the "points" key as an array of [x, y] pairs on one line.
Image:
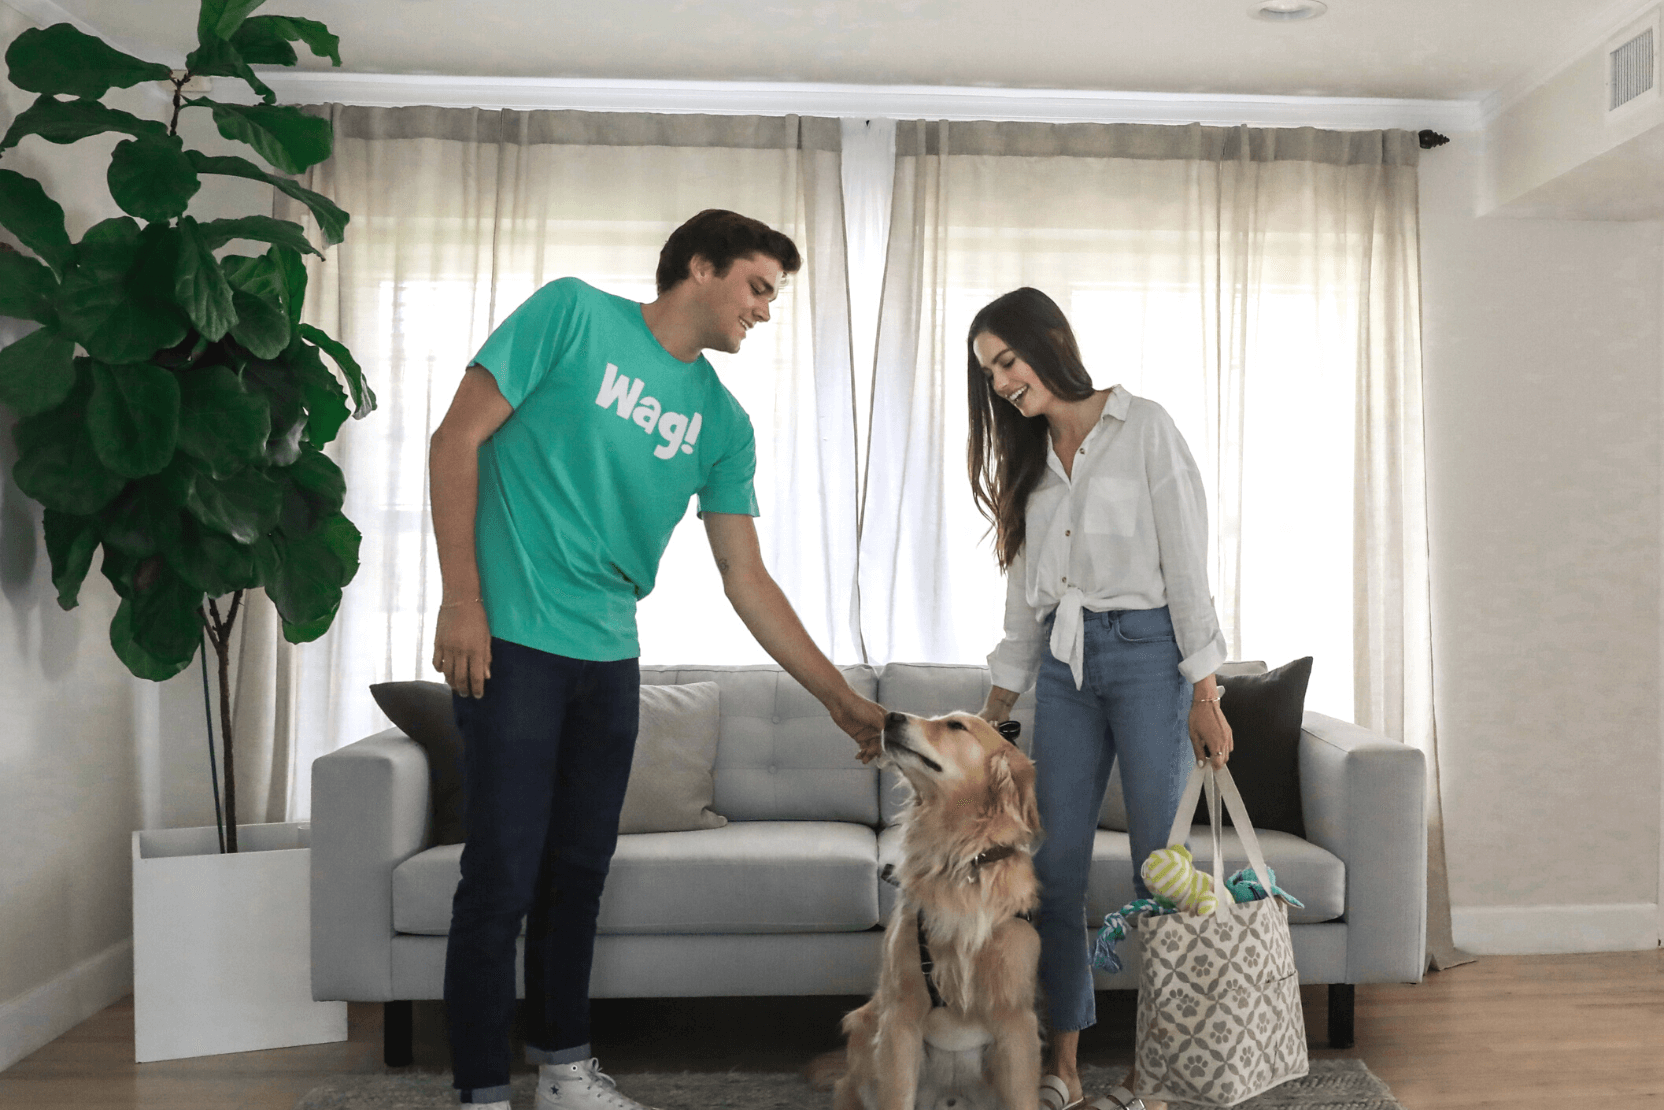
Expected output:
{"points": [[1632, 67]]}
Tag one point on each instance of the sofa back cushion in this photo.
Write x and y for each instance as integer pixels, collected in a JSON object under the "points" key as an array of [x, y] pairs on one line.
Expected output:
{"points": [[929, 690], [779, 757]]}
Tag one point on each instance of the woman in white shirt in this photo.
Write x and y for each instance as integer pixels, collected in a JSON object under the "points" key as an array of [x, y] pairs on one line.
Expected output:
{"points": [[1101, 527]]}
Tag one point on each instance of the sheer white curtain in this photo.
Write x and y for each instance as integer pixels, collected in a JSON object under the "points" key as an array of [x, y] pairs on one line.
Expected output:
{"points": [[1262, 285], [458, 215]]}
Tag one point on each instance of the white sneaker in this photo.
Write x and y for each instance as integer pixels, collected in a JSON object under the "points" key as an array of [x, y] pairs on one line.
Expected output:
{"points": [[580, 1086]]}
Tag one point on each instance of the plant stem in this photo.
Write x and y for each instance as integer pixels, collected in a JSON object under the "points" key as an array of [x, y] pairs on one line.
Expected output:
{"points": [[219, 633], [178, 101]]}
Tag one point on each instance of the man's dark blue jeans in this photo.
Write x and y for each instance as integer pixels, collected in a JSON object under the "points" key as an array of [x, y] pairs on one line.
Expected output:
{"points": [[546, 763]]}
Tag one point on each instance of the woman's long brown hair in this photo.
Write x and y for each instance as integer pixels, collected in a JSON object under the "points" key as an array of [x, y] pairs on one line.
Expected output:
{"points": [[1006, 454]]}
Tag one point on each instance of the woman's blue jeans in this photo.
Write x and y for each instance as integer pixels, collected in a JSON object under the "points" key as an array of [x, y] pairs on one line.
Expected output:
{"points": [[546, 761], [1133, 706]]}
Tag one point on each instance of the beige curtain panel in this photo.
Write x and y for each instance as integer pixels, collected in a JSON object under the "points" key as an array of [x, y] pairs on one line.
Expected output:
{"points": [[1263, 285], [457, 216]]}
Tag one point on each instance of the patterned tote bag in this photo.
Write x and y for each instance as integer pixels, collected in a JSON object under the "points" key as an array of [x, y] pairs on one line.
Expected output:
{"points": [[1219, 1017]]}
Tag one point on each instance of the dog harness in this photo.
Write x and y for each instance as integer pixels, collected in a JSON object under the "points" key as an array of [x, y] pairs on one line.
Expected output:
{"points": [[927, 963]]}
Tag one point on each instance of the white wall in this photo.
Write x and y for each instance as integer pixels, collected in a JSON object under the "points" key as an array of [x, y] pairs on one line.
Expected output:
{"points": [[1543, 406], [87, 754]]}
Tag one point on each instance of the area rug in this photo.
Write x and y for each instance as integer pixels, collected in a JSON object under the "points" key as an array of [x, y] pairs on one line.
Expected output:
{"points": [[1332, 1085]]}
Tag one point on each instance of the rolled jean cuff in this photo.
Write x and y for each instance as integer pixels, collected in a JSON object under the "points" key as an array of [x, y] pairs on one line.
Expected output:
{"points": [[571, 1055], [483, 1095]]}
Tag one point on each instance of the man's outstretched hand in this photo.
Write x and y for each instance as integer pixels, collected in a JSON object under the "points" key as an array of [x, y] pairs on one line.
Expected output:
{"points": [[864, 721]]}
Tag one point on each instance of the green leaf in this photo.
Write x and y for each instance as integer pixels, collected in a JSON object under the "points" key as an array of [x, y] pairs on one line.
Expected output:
{"points": [[294, 279], [258, 293], [331, 220], [70, 544], [145, 519], [363, 397], [141, 662], [109, 302], [212, 561], [245, 506], [218, 58], [308, 583], [37, 372], [325, 400], [308, 631], [151, 178], [221, 18], [56, 463], [199, 285], [343, 538], [63, 60], [166, 621], [69, 121], [320, 481], [261, 229], [220, 421], [265, 39], [133, 416], [286, 137], [26, 287], [36, 219]]}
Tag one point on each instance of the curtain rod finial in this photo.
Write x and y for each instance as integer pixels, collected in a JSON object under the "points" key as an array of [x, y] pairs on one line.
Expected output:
{"points": [[1430, 139]]}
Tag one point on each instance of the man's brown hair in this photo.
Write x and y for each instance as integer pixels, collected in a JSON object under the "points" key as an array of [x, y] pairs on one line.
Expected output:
{"points": [[719, 237]]}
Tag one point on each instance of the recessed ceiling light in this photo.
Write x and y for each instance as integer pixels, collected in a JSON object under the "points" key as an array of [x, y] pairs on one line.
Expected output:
{"points": [[1287, 11]]}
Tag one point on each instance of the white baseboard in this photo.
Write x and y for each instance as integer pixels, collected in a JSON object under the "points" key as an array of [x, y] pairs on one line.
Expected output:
{"points": [[1541, 930], [37, 1018]]}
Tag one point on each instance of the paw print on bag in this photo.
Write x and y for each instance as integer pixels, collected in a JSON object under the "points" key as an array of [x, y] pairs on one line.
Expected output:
{"points": [[1202, 966], [1188, 1007], [1250, 958], [1220, 1028], [1196, 1066]]}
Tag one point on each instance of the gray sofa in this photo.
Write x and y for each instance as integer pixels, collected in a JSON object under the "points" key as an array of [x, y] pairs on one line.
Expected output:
{"points": [[786, 898]]}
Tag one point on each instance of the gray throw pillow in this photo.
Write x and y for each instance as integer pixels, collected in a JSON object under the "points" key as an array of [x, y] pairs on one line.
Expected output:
{"points": [[422, 711], [670, 788]]}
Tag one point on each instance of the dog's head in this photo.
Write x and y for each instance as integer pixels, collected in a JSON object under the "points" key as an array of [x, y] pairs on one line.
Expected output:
{"points": [[963, 761]]}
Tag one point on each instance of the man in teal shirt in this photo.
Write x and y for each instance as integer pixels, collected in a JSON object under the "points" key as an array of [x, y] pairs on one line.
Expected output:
{"points": [[567, 457]]}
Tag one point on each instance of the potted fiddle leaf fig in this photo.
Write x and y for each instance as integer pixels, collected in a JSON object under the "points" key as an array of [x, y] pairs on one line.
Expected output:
{"points": [[173, 408]]}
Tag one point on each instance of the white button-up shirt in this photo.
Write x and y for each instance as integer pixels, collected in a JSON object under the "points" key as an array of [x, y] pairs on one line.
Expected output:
{"points": [[1126, 528]]}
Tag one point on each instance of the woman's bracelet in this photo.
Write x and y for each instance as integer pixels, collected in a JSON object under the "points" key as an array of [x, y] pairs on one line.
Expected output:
{"points": [[1204, 701], [466, 601]]}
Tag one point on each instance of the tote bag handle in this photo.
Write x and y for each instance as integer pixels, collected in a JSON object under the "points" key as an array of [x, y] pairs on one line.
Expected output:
{"points": [[1220, 787]]}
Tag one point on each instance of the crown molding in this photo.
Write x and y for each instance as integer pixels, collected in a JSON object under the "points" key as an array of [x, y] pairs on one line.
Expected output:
{"points": [[301, 86], [1590, 35], [857, 101]]}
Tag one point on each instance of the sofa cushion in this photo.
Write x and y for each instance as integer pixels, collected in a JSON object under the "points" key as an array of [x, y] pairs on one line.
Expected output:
{"points": [[779, 756], [929, 690], [747, 877], [670, 786], [1113, 815], [1314, 875]]}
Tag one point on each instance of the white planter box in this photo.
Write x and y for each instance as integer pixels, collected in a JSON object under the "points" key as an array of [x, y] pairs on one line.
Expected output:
{"points": [[222, 944]]}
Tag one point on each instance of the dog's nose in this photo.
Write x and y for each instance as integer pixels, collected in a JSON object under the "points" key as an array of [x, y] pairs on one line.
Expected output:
{"points": [[895, 719]]}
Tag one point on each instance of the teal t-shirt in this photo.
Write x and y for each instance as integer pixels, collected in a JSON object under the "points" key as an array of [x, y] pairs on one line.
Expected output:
{"points": [[581, 487]]}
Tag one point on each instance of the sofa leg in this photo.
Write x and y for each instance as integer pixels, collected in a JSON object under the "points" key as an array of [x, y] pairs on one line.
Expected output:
{"points": [[1340, 1015], [397, 1034]]}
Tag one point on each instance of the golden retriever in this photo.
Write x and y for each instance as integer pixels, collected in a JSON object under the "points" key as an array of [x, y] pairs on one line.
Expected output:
{"points": [[967, 870]]}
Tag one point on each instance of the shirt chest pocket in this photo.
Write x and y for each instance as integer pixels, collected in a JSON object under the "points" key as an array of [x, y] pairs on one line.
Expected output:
{"points": [[1112, 506]]}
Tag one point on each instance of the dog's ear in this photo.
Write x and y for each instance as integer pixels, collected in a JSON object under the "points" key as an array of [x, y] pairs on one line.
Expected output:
{"points": [[1011, 787]]}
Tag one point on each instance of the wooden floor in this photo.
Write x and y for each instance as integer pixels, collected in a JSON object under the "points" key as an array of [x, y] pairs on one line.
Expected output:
{"points": [[1514, 1033]]}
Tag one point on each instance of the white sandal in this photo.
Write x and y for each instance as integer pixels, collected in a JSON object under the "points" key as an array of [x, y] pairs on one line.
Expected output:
{"points": [[1054, 1093]]}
